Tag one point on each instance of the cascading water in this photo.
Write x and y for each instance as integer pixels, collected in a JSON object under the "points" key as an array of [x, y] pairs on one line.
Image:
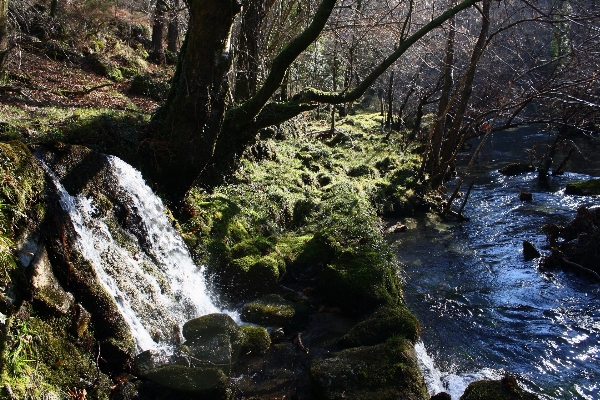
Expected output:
{"points": [[147, 268]]}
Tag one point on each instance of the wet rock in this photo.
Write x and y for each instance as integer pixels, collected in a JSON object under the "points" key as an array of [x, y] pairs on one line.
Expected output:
{"points": [[274, 310], [216, 350], [529, 251], [147, 361], [44, 285], [385, 323], [200, 383], [81, 320], [397, 228], [586, 188], [506, 388], [384, 371], [255, 340], [208, 326], [441, 396], [525, 196], [516, 169]]}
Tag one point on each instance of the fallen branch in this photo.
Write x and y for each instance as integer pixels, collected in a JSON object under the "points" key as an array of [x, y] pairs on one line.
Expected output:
{"points": [[460, 210], [580, 268], [299, 343], [11, 89]]}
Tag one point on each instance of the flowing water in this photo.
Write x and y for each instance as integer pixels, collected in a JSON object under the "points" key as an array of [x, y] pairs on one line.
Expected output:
{"points": [[485, 311], [149, 273]]}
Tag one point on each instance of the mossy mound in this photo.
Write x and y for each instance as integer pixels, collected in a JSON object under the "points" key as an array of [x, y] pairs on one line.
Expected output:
{"points": [[584, 188], [385, 371], [516, 169], [503, 389], [274, 310], [255, 340], [385, 323]]}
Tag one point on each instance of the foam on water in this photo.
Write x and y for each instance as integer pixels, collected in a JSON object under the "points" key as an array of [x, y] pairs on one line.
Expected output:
{"points": [[451, 383]]}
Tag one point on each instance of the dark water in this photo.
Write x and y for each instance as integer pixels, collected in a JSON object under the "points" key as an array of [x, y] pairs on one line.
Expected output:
{"points": [[484, 310]]}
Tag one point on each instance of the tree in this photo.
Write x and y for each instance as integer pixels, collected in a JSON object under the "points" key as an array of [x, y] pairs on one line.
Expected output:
{"points": [[158, 28], [4, 48], [198, 134]]}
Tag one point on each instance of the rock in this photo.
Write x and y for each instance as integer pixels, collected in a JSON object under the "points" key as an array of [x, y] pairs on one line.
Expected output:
{"points": [[385, 323], [274, 310], [44, 285], [255, 340], [208, 326], [441, 396], [147, 361], [516, 169], [397, 228], [216, 350], [204, 383], [585, 188], [81, 320], [503, 389], [525, 196], [529, 251], [385, 371]]}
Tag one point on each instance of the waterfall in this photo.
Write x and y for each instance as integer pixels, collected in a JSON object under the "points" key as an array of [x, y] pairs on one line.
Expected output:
{"points": [[452, 383], [145, 266]]}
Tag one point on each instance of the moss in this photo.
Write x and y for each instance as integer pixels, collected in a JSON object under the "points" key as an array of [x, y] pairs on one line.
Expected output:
{"points": [[273, 310], [208, 382], [385, 371], [255, 339], [506, 388], [211, 325], [516, 169], [386, 323], [584, 188]]}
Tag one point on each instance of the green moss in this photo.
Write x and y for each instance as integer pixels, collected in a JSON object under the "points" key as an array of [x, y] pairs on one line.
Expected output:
{"points": [[503, 389], [273, 310], [584, 188], [389, 322], [255, 339]]}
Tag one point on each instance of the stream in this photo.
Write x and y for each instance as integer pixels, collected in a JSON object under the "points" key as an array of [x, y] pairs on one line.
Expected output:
{"points": [[484, 310]]}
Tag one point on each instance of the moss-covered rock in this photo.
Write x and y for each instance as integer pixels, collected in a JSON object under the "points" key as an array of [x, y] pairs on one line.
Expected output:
{"points": [[385, 371], [146, 85], [506, 388], [211, 325], [585, 188], [274, 310], [209, 383], [385, 323], [516, 169], [255, 339]]}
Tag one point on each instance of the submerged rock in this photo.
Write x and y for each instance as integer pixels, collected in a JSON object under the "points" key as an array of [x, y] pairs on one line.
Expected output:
{"points": [[506, 388]]}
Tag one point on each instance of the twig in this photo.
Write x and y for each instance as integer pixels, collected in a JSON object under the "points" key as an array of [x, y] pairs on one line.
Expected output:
{"points": [[9, 391], [460, 210], [299, 343]]}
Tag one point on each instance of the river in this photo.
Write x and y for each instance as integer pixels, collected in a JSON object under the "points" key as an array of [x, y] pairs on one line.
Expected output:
{"points": [[484, 310]]}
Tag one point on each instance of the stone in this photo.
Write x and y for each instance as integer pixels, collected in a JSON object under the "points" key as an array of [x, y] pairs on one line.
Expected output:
{"points": [[384, 371], [506, 388], [516, 169], [209, 383], [44, 285], [274, 310], [207, 326], [585, 188], [529, 251]]}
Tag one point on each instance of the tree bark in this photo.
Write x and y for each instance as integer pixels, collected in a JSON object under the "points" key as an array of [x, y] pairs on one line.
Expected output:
{"points": [[253, 12], [188, 125], [390, 99], [158, 29], [4, 49], [53, 8], [173, 29]]}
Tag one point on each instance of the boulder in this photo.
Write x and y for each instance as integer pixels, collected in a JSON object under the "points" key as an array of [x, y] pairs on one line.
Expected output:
{"points": [[516, 169], [44, 285], [383, 324], [503, 389], [208, 326], [197, 383], [255, 340], [585, 188], [529, 251], [385, 371]]}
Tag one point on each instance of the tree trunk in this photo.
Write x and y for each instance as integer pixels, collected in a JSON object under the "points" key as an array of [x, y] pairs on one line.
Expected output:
{"points": [[173, 29], [158, 29], [189, 123], [253, 12], [53, 8], [390, 99], [3, 34]]}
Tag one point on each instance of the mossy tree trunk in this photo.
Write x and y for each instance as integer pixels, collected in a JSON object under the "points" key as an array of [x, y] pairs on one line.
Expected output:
{"points": [[196, 136]]}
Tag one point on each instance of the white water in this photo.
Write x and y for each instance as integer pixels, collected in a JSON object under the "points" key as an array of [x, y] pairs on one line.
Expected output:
{"points": [[449, 382], [152, 277]]}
